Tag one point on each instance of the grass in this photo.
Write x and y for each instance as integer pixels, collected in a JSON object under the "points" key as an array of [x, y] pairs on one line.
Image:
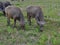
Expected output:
{"points": [[32, 36]]}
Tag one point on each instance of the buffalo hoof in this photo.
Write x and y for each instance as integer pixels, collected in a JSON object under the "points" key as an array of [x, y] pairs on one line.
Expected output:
{"points": [[7, 25], [41, 30], [14, 26], [23, 29], [30, 24]]}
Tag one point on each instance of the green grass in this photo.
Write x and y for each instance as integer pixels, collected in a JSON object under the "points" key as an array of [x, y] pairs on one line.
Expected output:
{"points": [[32, 36]]}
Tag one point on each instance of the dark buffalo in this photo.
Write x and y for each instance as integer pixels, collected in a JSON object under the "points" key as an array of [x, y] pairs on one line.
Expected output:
{"points": [[35, 12], [17, 0], [16, 14], [13, 0], [22, 0], [3, 5]]}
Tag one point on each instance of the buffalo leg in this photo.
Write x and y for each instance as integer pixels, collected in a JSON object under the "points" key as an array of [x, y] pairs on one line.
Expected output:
{"points": [[29, 19], [8, 21], [4, 13], [14, 22]]}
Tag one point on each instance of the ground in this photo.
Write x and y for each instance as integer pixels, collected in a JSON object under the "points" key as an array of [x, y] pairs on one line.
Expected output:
{"points": [[32, 36]]}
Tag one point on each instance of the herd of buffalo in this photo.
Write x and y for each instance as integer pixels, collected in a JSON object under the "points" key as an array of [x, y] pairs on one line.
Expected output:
{"points": [[15, 13]]}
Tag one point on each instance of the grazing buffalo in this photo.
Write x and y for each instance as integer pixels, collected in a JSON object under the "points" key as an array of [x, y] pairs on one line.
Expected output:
{"points": [[35, 12], [3, 5], [16, 14]]}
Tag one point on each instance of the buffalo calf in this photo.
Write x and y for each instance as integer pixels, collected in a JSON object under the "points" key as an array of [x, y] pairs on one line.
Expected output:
{"points": [[35, 12], [16, 14]]}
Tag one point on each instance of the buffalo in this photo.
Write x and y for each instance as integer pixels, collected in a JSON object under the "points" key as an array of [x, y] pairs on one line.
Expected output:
{"points": [[35, 12], [15, 13], [17, 0], [3, 5]]}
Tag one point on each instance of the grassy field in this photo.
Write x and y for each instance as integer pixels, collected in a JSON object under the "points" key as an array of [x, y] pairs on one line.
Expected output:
{"points": [[32, 36]]}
